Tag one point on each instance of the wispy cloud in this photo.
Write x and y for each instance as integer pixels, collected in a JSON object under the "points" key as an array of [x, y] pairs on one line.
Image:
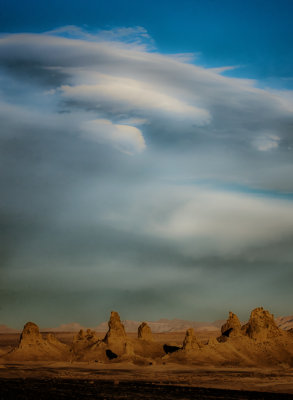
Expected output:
{"points": [[103, 143], [123, 95], [266, 142], [125, 138], [137, 36]]}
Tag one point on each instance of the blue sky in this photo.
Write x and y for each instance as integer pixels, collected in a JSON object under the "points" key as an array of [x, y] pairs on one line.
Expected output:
{"points": [[255, 35], [146, 160]]}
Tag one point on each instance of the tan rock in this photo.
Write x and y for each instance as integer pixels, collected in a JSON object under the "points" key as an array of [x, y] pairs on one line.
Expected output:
{"points": [[144, 332], [129, 349], [30, 336], [190, 342], [91, 336], [88, 336], [261, 326], [79, 336], [232, 327], [115, 338], [116, 329], [52, 340], [32, 346], [212, 342], [83, 340]]}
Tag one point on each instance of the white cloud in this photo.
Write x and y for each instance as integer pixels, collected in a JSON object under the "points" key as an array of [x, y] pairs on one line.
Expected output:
{"points": [[68, 102], [127, 139], [218, 120], [266, 142], [220, 70], [203, 222], [134, 121], [128, 95]]}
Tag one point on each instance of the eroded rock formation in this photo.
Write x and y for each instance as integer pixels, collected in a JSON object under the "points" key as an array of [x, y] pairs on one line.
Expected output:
{"points": [[30, 336], [232, 326], [52, 340], [190, 342], [261, 326], [144, 332], [257, 343], [115, 338], [129, 349], [116, 329], [32, 346], [79, 336], [83, 340]]}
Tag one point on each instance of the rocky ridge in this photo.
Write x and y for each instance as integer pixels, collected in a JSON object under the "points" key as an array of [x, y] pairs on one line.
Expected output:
{"points": [[261, 326], [258, 342], [33, 346]]}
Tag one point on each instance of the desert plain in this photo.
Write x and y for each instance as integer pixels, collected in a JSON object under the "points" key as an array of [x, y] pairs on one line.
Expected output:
{"points": [[252, 360]]}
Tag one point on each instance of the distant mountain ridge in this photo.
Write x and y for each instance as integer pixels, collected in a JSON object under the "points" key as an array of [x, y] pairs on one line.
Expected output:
{"points": [[159, 326], [285, 323], [6, 329]]}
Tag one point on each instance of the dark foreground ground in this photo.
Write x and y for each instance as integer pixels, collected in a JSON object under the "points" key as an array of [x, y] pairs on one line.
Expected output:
{"points": [[45, 389]]}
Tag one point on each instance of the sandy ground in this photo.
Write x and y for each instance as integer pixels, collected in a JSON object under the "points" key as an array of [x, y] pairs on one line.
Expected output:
{"points": [[269, 380], [11, 339], [274, 380], [75, 389]]}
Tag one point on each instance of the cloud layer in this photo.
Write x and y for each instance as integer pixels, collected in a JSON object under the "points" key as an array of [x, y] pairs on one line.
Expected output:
{"points": [[118, 161]]}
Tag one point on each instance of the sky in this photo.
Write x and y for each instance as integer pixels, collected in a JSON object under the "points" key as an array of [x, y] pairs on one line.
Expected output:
{"points": [[145, 160]]}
